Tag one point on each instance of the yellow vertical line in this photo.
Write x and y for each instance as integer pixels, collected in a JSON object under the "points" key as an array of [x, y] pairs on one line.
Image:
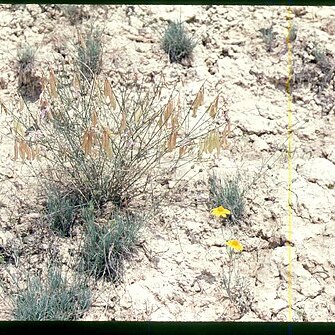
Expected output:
{"points": [[289, 159]]}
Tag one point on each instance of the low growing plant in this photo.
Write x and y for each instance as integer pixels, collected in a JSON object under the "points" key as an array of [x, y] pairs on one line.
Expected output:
{"points": [[316, 72], [233, 283], [269, 37], [228, 194], [90, 54], [55, 298], [26, 58], [176, 42], [232, 247], [29, 86], [61, 211], [107, 246], [74, 13]]}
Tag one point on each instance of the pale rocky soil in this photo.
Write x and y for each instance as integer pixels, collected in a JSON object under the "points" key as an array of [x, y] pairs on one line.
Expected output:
{"points": [[178, 278]]}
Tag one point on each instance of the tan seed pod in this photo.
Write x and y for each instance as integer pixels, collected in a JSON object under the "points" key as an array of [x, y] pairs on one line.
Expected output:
{"points": [[224, 135], [138, 115], [206, 144], [174, 122], [53, 84], [21, 104], [199, 100], [76, 82], [160, 121], [81, 40], [18, 129], [94, 119], [172, 141], [28, 151], [106, 143], [33, 153], [168, 111], [214, 107], [201, 148], [209, 146], [87, 142], [217, 143], [108, 92], [44, 82], [182, 151], [22, 150]]}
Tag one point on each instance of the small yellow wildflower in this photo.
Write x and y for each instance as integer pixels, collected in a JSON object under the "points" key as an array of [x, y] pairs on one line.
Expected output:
{"points": [[235, 244], [220, 211]]}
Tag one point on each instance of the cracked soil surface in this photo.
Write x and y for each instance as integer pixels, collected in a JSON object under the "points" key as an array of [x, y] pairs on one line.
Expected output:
{"points": [[176, 273]]}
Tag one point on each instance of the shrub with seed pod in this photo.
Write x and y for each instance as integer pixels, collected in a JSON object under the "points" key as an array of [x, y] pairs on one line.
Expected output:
{"points": [[110, 144]]}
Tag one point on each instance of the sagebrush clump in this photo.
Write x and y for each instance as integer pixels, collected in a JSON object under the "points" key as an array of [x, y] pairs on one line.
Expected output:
{"points": [[55, 298], [108, 245], [26, 58], [60, 211], [74, 13], [176, 43], [269, 37]]}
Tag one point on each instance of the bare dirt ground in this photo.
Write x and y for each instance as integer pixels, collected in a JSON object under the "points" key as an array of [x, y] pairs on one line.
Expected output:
{"points": [[177, 276]]}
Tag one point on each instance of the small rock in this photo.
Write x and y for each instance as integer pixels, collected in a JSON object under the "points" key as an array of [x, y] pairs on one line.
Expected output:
{"points": [[320, 171], [314, 201], [259, 143], [246, 116], [305, 282]]}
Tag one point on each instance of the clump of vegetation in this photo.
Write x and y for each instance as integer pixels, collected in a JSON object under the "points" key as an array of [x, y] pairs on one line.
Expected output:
{"points": [[292, 34], [90, 54], [176, 43], [61, 211], [74, 13], [107, 145], [9, 254], [269, 37], [315, 69], [29, 84], [26, 58], [228, 194], [321, 58], [16, 7], [107, 246], [55, 298]]}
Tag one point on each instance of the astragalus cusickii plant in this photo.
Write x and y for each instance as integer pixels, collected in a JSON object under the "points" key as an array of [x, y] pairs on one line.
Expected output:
{"points": [[107, 144]]}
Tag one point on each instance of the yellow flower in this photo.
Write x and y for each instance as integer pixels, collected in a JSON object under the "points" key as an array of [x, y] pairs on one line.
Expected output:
{"points": [[220, 211], [235, 244]]}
